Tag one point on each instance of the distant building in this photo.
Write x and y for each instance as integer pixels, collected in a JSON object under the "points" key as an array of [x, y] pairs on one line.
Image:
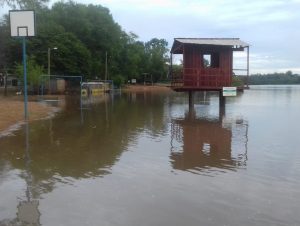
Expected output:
{"points": [[11, 80]]}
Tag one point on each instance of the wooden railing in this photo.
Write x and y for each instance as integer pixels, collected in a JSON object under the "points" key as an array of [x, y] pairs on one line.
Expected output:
{"points": [[197, 78]]}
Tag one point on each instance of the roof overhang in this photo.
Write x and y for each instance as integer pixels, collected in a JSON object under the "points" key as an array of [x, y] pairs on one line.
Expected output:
{"points": [[234, 43]]}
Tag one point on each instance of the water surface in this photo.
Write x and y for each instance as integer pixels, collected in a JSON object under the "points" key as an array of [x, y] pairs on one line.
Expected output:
{"points": [[147, 159]]}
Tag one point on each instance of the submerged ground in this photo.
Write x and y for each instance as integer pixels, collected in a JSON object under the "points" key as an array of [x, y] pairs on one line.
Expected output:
{"points": [[142, 158], [12, 106]]}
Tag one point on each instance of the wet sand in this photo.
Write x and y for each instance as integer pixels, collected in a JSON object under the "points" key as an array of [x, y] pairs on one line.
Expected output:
{"points": [[12, 112], [146, 88]]}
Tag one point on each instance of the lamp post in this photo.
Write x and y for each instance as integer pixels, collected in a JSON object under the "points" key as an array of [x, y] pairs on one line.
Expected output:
{"points": [[49, 58], [49, 63]]}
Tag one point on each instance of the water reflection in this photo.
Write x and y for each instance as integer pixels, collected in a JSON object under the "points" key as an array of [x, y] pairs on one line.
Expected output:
{"points": [[202, 145], [63, 149], [88, 102], [141, 157], [27, 209]]}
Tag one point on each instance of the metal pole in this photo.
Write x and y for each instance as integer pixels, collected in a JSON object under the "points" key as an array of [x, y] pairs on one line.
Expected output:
{"points": [[171, 67], [25, 79], [81, 113], [105, 71], [247, 80], [42, 86], [27, 163], [49, 51], [49, 55], [105, 65]]}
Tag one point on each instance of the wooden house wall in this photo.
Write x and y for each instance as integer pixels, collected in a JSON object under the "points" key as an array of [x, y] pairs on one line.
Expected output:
{"points": [[192, 57], [196, 75]]}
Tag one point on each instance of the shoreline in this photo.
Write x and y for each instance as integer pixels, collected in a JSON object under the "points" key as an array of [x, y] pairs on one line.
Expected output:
{"points": [[12, 113], [147, 88], [12, 107]]}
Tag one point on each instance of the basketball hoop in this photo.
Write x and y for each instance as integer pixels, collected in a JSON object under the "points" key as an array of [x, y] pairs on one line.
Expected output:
{"points": [[22, 24]]}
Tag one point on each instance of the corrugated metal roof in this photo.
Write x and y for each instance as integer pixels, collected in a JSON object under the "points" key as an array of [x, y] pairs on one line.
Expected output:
{"points": [[213, 41]]}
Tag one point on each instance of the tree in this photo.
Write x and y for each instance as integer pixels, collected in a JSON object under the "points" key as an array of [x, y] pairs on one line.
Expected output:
{"points": [[95, 28], [274, 78], [71, 57], [4, 50], [34, 72], [24, 4], [156, 50], [132, 58], [83, 34], [3, 44]]}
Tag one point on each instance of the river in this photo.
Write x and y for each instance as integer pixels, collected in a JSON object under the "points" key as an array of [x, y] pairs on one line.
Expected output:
{"points": [[145, 159]]}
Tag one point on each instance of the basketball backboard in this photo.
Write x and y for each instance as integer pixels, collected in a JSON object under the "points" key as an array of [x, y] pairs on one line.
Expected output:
{"points": [[22, 23]]}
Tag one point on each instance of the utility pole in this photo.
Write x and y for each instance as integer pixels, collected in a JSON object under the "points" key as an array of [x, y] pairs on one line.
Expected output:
{"points": [[49, 55], [105, 65], [247, 79], [49, 65]]}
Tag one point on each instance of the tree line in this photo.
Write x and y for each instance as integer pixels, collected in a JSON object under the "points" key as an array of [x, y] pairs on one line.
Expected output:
{"points": [[82, 38], [271, 79]]}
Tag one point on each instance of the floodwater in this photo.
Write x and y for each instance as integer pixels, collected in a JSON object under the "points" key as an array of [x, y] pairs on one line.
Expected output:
{"points": [[136, 159]]}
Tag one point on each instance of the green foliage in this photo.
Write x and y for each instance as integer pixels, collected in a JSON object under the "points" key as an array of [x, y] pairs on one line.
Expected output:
{"points": [[71, 56], [94, 27], [272, 79], [118, 81], [177, 70], [156, 50], [237, 81], [34, 72], [83, 34], [24, 4], [5, 53], [2, 48]]}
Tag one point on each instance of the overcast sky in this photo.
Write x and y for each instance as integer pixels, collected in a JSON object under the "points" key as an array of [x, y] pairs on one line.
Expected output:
{"points": [[271, 27]]}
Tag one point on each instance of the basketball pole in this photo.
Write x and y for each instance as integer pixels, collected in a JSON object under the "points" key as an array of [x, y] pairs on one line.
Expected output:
{"points": [[25, 79], [22, 25]]}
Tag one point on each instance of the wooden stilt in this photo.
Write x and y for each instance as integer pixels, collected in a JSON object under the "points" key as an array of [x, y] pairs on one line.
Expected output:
{"points": [[222, 103], [191, 99], [191, 112]]}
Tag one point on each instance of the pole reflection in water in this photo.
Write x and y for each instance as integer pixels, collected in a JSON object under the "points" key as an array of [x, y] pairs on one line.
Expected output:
{"points": [[28, 212], [202, 145]]}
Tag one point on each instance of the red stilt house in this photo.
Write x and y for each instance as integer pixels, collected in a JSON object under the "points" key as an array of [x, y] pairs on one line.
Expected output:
{"points": [[207, 63]]}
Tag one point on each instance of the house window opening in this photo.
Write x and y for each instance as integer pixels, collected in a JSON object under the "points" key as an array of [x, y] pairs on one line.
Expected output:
{"points": [[207, 60], [211, 60]]}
